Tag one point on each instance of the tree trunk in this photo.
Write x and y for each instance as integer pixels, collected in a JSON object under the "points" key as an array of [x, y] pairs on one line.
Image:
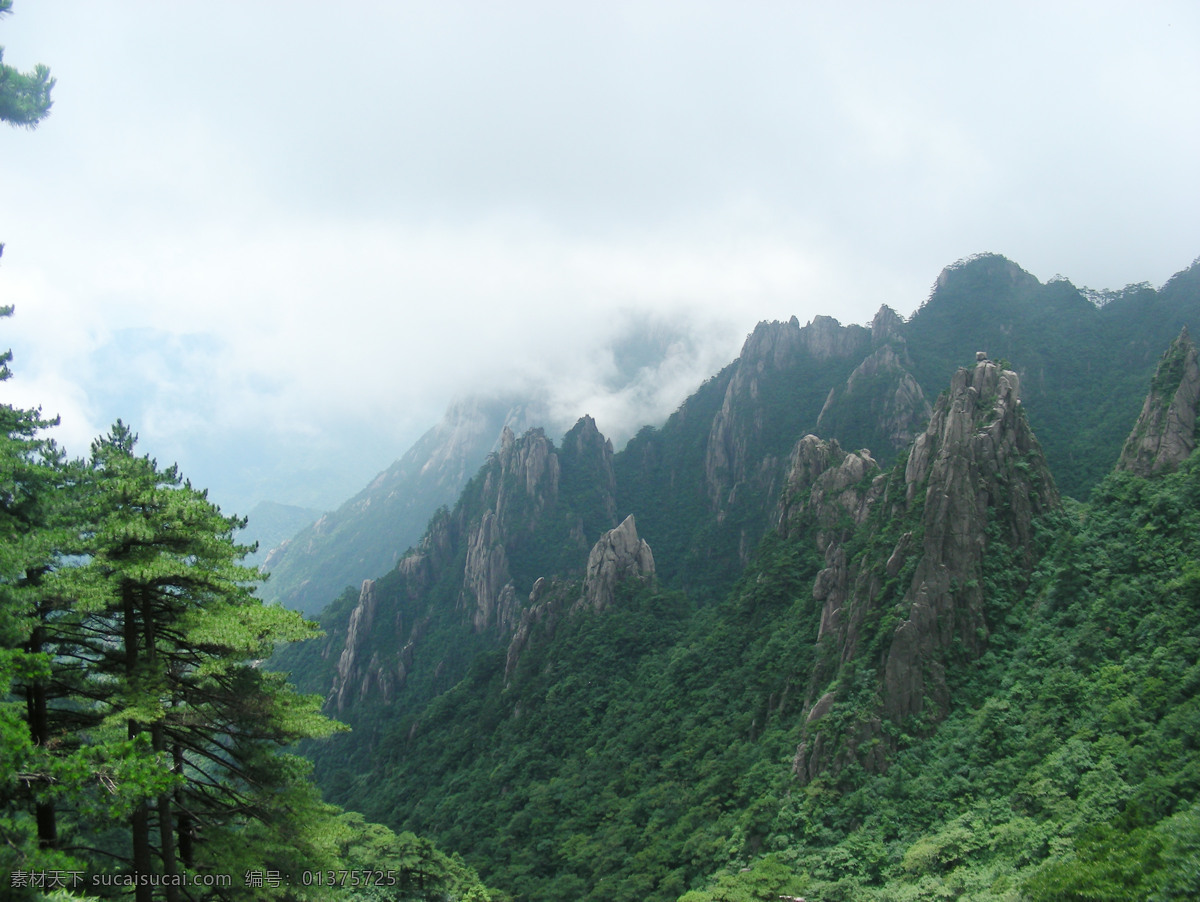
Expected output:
{"points": [[39, 731], [139, 821], [166, 828], [184, 823]]}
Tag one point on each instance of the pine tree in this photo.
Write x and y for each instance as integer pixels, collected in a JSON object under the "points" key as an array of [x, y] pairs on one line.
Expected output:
{"points": [[24, 96], [185, 633], [32, 471]]}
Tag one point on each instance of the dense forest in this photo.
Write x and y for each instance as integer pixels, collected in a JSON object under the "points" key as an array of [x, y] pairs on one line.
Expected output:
{"points": [[657, 746], [642, 752], [1036, 741]]}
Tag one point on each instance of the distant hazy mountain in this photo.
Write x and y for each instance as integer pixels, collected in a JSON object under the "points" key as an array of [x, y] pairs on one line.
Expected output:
{"points": [[366, 535], [271, 524]]}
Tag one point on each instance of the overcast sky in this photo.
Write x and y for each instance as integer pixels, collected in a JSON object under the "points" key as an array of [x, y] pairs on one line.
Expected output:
{"points": [[277, 238]]}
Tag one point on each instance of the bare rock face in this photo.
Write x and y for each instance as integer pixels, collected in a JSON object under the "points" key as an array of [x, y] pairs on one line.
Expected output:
{"points": [[618, 555], [486, 577], [882, 385], [366, 536], [737, 429], [976, 475], [522, 482], [358, 669], [527, 498], [835, 491], [1165, 434], [977, 462], [527, 474], [887, 325], [827, 482]]}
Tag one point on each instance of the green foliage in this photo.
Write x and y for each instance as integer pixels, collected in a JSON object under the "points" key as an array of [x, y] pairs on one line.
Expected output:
{"points": [[1083, 369], [644, 752], [24, 96], [138, 735], [628, 753]]}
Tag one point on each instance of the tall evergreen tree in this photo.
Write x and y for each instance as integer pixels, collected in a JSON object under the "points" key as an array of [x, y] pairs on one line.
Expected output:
{"points": [[24, 96], [178, 664]]}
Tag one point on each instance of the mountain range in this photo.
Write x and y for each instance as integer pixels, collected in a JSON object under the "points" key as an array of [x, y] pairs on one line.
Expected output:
{"points": [[807, 634]]}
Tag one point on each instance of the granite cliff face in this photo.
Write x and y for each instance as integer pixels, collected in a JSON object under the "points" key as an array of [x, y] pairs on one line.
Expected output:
{"points": [[366, 536], [531, 511], [882, 399], [618, 556], [851, 382], [915, 600], [1165, 434], [734, 455], [520, 484]]}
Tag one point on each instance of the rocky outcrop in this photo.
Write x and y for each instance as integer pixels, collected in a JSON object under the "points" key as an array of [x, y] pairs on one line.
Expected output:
{"points": [[975, 476], [486, 576], [531, 511], [881, 401], [359, 669], [832, 492], [977, 463], [521, 483], [1165, 434], [546, 604], [522, 478], [588, 481], [827, 484], [886, 326], [366, 536], [619, 555], [737, 453]]}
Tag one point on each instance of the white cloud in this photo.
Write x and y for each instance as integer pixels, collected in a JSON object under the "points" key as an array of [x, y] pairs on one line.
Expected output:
{"points": [[279, 240]]}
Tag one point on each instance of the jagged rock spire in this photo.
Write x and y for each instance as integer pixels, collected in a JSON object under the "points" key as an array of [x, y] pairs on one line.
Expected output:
{"points": [[617, 556], [1165, 434], [977, 465]]}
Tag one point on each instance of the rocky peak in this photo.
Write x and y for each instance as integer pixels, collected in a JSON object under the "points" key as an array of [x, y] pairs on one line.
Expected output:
{"points": [[825, 338], [1165, 434], [994, 267], [618, 555], [826, 483], [887, 326], [524, 473], [587, 469], [975, 475], [365, 536], [586, 437], [832, 492], [771, 343], [521, 483], [978, 462], [771, 349]]}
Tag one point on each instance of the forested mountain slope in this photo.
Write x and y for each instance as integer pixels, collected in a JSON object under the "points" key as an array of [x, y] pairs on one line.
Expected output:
{"points": [[705, 483], [833, 720]]}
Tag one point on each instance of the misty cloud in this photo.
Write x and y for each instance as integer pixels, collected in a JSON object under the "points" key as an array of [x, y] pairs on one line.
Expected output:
{"points": [[279, 241]]}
